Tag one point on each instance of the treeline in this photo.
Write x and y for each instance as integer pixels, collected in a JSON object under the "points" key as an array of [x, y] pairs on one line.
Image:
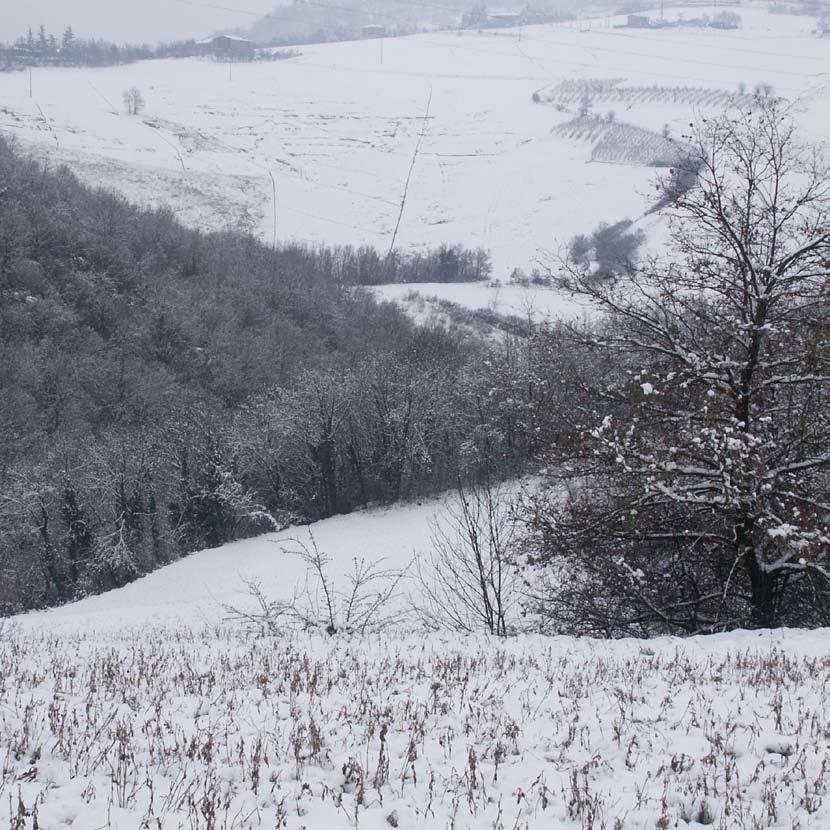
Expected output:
{"points": [[45, 48], [304, 22], [163, 390], [448, 263], [479, 16]]}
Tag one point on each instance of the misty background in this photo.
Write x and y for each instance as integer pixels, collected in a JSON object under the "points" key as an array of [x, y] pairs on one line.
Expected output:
{"points": [[127, 21]]}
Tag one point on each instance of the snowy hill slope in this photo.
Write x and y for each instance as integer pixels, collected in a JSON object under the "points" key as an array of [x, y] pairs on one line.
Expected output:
{"points": [[422, 301], [317, 148], [195, 591], [148, 707]]}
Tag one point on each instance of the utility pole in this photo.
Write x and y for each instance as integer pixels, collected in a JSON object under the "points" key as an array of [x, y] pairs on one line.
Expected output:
{"points": [[30, 81]]}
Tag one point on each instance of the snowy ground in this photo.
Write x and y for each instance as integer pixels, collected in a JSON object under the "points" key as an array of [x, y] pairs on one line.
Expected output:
{"points": [[536, 302], [332, 134], [160, 728], [145, 708]]}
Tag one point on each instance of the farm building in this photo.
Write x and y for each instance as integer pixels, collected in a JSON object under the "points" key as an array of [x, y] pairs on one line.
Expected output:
{"points": [[228, 46], [639, 21], [373, 30]]}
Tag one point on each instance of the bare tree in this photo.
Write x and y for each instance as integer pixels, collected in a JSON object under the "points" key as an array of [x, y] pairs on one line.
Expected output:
{"points": [[467, 581], [705, 454], [133, 100], [364, 602], [266, 617]]}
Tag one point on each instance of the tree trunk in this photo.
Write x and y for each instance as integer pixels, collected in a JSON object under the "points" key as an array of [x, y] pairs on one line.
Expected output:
{"points": [[762, 582]]}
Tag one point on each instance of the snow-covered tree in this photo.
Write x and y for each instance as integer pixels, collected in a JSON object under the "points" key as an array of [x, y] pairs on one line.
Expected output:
{"points": [[211, 506], [133, 100], [699, 485]]}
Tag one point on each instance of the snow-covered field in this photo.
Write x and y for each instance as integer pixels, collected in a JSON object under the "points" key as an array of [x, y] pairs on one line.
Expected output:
{"points": [[163, 728], [318, 148], [146, 708], [535, 302]]}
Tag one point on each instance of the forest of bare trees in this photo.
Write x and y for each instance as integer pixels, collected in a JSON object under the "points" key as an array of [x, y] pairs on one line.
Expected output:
{"points": [[164, 390]]}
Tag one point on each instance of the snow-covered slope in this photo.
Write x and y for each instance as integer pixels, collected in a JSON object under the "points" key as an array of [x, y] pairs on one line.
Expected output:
{"points": [[197, 590], [148, 708], [318, 148]]}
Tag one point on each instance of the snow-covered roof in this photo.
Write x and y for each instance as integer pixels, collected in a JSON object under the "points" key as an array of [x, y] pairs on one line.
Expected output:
{"points": [[213, 39]]}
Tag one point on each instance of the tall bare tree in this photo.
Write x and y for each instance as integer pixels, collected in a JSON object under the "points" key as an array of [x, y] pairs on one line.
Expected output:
{"points": [[702, 466], [468, 582]]}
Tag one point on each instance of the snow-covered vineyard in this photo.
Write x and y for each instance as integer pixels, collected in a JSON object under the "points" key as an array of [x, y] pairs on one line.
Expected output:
{"points": [[164, 728]]}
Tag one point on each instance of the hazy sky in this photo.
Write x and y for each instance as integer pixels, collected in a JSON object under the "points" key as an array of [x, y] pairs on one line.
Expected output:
{"points": [[130, 20]]}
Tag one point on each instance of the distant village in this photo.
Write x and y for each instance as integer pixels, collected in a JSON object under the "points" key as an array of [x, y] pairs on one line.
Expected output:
{"points": [[304, 23]]}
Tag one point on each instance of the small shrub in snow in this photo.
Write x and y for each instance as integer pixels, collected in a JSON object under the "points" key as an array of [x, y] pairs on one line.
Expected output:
{"points": [[362, 603]]}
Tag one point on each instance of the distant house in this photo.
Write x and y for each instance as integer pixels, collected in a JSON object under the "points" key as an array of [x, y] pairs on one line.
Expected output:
{"points": [[373, 30], [229, 47], [639, 21]]}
